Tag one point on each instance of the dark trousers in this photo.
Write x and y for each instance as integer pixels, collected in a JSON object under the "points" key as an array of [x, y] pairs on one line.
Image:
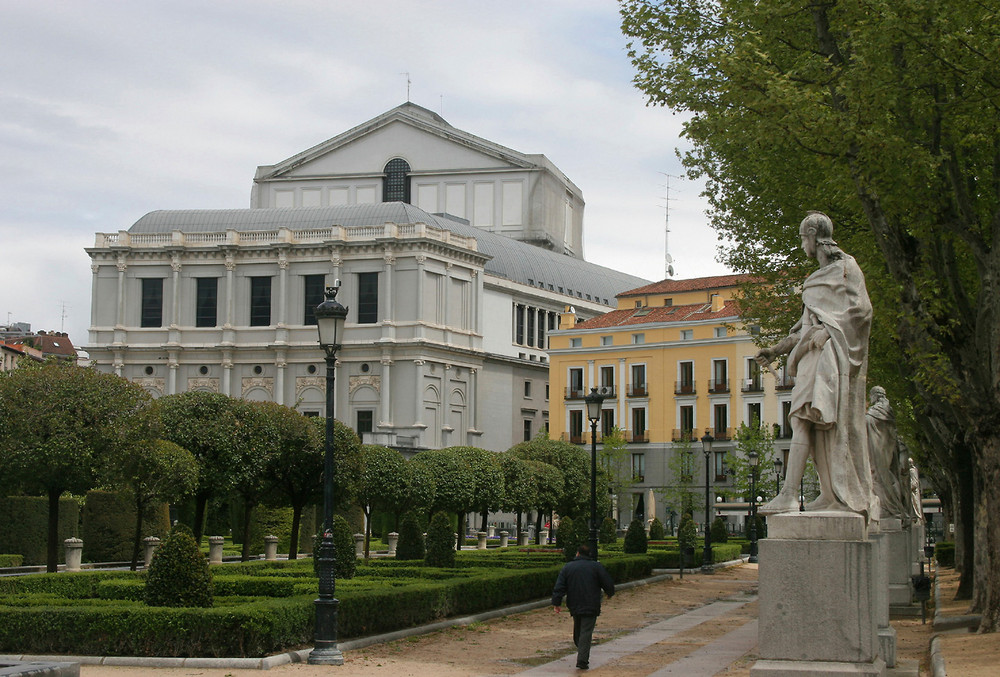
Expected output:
{"points": [[583, 633]]}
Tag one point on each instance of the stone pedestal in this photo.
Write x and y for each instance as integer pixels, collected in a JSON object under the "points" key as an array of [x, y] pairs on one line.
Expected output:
{"points": [[898, 559], [270, 547], [73, 548], [816, 594], [491, 531], [886, 633], [359, 545], [393, 540], [480, 540], [503, 539], [215, 544], [543, 536], [522, 540], [151, 543]]}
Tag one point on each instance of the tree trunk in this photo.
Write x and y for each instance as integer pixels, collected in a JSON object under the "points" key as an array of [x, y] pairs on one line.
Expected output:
{"points": [[461, 531], [965, 530], [293, 547], [483, 526], [200, 502], [518, 532], [247, 513], [538, 527], [367, 510], [137, 535], [987, 592], [52, 554]]}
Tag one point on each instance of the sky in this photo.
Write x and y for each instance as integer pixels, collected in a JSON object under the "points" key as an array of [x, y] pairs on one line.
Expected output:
{"points": [[110, 110]]}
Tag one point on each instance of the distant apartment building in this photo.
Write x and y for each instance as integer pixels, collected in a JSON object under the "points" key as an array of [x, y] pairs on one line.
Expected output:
{"points": [[675, 361]]}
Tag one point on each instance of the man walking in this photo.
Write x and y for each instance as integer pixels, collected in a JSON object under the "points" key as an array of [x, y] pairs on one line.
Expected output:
{"points": [[581, 582]]}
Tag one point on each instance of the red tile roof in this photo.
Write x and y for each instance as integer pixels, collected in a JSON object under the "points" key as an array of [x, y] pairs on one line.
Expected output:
{"points": [[55, 343], [693, 284], [696, 312]]}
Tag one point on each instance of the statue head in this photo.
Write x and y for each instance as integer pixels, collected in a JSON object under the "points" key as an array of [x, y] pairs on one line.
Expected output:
{"points": [[817, 235], [876, 394]]}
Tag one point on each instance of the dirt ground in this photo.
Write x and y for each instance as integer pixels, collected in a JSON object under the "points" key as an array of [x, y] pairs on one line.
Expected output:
{"points": [[512, 644]]}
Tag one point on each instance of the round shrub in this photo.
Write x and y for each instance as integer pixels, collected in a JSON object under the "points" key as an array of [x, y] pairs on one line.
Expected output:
{"points": [[179, 574], [656, 530], [440, 542], [608, 532], [345, 561], [719, 532], [635, 539], [687, 533], [567, 537], [411, 539]]}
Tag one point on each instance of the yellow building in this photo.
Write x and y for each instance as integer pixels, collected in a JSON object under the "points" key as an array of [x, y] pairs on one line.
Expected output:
{"points": [[674, 361]]}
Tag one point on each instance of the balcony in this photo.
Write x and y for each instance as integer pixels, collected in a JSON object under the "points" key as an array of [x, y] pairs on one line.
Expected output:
{"points": [[782, 432], [639, 437], [578, 439], [637, 390], [722, 434], [785, 383], [575, 393], [609, 392], [718, 385], [752, 385], [684, 388], [682, 435]]}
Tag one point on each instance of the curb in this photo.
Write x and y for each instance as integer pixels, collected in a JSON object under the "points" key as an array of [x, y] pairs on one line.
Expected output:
{"points": [[937, 659], [302, 655], [942, 623]]}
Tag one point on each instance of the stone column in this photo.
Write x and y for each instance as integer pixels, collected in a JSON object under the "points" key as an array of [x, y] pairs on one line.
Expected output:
{"points": [[481, 538], [393, 540], [421, 260], [151, 543], [543, 536], [359, 545], [491, 531], [385, 387], [270, 547], [230, 290], [522, 539], [175, 292], [503, 539], [73, 548], [280, 367], [886, 633], [817, 598], [215, 549]]}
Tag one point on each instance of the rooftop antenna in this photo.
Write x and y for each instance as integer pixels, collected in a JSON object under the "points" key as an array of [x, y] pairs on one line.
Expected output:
{"points": [[407, 74], [62, 317], [668, 260]]}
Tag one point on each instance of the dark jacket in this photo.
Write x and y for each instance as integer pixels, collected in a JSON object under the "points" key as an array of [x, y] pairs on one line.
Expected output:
{"points": [[581, 582]]}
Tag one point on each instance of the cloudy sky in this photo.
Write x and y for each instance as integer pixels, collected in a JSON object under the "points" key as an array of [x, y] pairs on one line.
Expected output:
{"points": [[109, 110]]}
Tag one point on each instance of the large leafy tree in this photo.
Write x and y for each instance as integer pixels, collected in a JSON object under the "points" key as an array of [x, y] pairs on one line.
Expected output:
{"points": [[454, 482], [520, 488], [884, 115], [295, 470], [382, 483], [261, 430], [59, 424], [616, 460], [487, 479]]}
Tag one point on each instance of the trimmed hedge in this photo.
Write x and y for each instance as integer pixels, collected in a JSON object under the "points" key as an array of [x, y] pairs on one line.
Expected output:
{"points": [[11, 560], [944, 552], [25, 526], [109, 526]]}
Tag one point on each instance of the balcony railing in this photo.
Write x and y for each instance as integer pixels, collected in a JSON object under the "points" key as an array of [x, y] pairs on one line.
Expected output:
{"points": [[637, 390], [783, 433], [684, 388], [639, 437], [785, 383], [722, 434], [578, 439], [607, 391], [574, 393], [718, 385], [682, 435], [752, 385]]}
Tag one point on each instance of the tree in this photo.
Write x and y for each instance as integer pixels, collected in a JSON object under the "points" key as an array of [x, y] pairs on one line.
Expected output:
{"points": [[454, 483], [440, 551], [179, 574], [419, 490], [759, 440], [635, 538], [259, 434], [616, 460], [59, 424], [549, 483], [574, 463], [295, 470], [680, 495], [520, 487], [888, 111], [381, 484], [487, 479], [152, 472]]}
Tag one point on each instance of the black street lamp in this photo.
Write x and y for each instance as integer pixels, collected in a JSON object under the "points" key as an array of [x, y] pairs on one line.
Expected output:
{"points": [[330, 317], [594, 401], [754, 459], [706, 560]]}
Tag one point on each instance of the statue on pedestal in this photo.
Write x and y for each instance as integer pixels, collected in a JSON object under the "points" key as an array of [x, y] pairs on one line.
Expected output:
{"points": [[883, 454], [916, 496], [828, 356]]}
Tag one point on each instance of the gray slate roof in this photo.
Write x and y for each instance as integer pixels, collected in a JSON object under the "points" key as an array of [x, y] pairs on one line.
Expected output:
{"points": [[511, 259]]}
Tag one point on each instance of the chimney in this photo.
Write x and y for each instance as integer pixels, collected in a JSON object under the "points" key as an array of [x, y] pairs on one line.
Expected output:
{"points": [[717, 303], [567, 319]]}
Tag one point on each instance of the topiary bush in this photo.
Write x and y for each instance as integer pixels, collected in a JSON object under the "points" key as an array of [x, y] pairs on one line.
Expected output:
{"points": [[567, 537], [687, 533], [411, 538], [656, 530], [720, 534], [179, 574], [608, 532], [345, 561], [635, 539], [440, 542]]}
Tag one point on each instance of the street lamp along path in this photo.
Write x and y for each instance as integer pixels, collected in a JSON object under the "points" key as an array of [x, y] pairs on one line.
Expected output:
{"points": [[594, 401], [330, 319], [706, 560]]}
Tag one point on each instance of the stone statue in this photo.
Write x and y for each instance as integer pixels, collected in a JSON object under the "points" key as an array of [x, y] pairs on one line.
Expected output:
{"points": [[883, 455], [916, 496], [828, 356]]}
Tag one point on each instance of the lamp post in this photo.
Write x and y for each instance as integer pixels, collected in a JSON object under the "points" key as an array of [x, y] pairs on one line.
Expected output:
{"points": [[594, 401], [706, 560], [754, 459], [330, 317]]}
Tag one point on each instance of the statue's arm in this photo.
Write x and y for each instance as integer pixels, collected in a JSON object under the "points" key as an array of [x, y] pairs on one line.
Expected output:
{"points": [[783, 347]]}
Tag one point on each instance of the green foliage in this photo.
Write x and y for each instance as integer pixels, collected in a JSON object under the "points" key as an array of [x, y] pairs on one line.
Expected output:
{"points": [[574, 464], [440, 542], [109, 525], [411, 538], [487, 476], [382, 484], [608, 532], [24, 520], [944, 553], [11, 560], [345, 559], [759, 440], [616, 460], [680, 494], [549, 483], [719, 533], [179, 574], [520, 488], [453, 480], [687, 532], [635, 538], [656, 530], [567, 537]]}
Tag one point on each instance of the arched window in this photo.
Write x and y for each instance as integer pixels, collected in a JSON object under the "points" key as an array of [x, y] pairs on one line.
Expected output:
{"points": [[396, 184]]}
